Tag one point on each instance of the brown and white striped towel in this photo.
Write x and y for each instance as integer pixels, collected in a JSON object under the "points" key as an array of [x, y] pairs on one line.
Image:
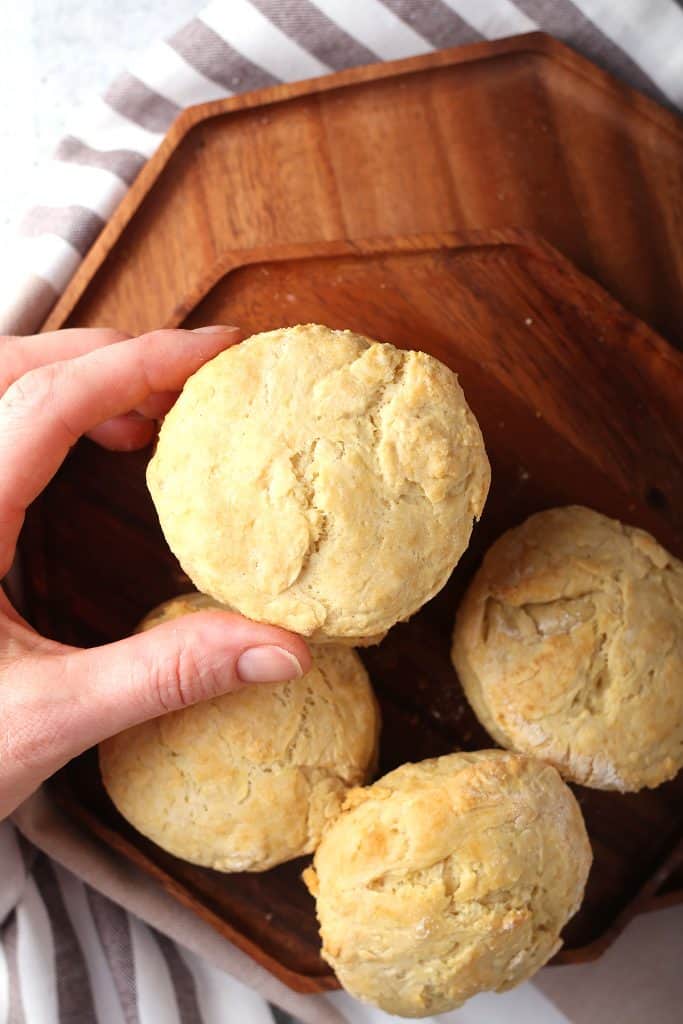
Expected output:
{"points": [[238, 45], [69, 955], [69, 951]]}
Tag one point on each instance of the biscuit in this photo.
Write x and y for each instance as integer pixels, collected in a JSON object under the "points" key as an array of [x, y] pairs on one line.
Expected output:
{"points": [[447, 878], [320, 481], [247, 780], [569, 646], [183, 604]]}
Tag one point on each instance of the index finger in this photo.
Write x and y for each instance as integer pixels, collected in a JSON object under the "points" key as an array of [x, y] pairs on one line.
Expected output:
{"points": [[22, 353], [45, 412]]}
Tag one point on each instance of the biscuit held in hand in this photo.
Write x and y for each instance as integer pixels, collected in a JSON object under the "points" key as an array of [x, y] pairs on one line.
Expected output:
{"points": [[56, 700], [320, 481], [247, 780], [447, 878], [569, 646]]}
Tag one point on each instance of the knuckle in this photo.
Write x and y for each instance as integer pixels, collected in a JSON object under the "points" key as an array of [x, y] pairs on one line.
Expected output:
{"points": [[180, 678], [33, 390], [37, 393], [111, 336]]}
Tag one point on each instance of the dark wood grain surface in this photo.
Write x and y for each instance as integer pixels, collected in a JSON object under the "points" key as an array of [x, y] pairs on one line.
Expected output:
{"points": [[578, 402]]}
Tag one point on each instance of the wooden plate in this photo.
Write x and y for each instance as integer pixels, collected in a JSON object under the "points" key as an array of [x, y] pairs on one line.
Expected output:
{"points": [[578, 402], [519, 132]]}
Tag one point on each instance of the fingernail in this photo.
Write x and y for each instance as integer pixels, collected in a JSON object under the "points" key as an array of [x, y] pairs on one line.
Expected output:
{"points": [[218, 329], [268, 664]]}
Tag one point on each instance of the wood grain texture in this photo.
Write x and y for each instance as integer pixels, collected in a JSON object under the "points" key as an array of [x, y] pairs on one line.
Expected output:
{"points": [[519, 132], [578, 402]]}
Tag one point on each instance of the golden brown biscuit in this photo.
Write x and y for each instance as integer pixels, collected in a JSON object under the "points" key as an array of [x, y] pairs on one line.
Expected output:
{"points": [[447, 878], [183, 604], [320, 481], [569, 645], [247, 780]]}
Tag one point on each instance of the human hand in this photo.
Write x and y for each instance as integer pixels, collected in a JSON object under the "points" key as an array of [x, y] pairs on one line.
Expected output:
{"points": [[56, 701]]}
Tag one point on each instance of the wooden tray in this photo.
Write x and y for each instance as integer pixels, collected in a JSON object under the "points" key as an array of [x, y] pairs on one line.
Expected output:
{"points": [[519, 132], [578, 402]]}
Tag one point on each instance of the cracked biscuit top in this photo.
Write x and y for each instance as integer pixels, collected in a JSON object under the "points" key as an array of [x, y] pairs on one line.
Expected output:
{"points": [[447, 878], [569, 646], [320, 481], [248, 780]]}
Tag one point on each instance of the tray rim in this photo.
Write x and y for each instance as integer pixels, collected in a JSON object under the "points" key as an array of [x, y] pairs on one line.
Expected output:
{"points": [[535, 43], [475, 238], [644, 899]]}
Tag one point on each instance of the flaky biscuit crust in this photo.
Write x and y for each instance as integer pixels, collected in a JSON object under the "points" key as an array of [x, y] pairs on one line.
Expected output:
{"points": [[447, 878], [320, 481], [569, 645], [247, 780]]}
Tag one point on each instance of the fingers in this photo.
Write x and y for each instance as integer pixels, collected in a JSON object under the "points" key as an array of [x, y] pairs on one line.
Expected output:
{"points": [[124, 433], [59, 705], [22, 354], [43, 413], [180, 663], [157, 405], [134, 429]]}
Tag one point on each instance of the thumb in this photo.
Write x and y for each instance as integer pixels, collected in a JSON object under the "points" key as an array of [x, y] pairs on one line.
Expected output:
{"points": [[171, 666]]}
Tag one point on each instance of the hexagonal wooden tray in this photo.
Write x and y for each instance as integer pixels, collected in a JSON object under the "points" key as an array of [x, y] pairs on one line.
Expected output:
{"points": [[258, 209], [578, 402]]}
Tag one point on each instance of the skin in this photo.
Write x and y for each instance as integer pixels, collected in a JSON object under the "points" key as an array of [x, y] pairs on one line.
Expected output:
{"points": [[55, 700]]}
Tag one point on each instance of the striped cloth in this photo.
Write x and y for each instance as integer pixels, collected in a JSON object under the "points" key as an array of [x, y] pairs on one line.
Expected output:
{"points": [[238, 45], [69, 954]]}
